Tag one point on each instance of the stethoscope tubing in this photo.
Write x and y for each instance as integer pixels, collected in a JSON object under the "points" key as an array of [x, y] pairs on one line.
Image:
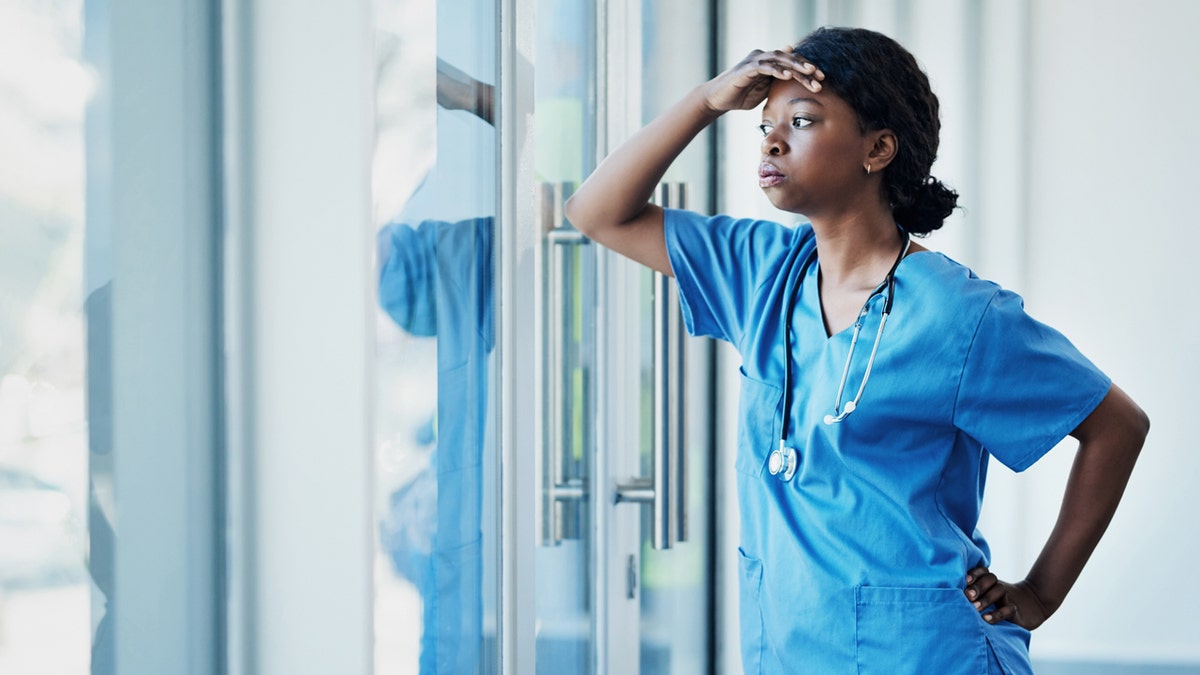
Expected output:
{"points": [[786, 462]]}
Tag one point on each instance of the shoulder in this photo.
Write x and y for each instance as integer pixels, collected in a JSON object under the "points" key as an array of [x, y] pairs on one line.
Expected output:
{"points": [[720, 263], [945, 283], [752, 239], [683, 219]]}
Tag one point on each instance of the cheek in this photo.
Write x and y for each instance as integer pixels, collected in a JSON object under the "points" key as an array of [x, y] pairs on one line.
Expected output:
{"points": [[839, 156], [827, 160]]}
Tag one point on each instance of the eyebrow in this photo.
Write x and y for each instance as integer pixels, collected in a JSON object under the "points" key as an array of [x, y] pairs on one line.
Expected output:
{"points": [[799, 99]]}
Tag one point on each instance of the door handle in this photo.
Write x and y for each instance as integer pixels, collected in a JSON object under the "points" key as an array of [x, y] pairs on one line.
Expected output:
{"points": [[563, 490], [666, 490]]}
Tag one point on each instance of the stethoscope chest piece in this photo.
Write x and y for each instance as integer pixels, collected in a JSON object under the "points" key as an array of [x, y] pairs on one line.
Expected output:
{"points": [[783, 462]]}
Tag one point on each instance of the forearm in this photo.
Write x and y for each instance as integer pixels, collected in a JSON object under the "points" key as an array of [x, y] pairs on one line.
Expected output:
{"points": [[458, 91], [620, 188], [1097, 481]]}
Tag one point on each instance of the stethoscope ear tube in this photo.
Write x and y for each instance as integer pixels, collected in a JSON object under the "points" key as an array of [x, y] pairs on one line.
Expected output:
{"points": [[850, 407], [839, 413]]}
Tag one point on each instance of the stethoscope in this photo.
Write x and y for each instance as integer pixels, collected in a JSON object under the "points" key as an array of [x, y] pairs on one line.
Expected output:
{"points": [[784, 461]]}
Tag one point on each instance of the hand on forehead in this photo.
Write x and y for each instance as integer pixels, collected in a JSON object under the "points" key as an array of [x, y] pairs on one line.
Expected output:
{"points": [[793, 67]]}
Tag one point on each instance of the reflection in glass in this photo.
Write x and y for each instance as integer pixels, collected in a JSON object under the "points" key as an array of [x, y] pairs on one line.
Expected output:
{"points": [[437, 464], [45, 594]]}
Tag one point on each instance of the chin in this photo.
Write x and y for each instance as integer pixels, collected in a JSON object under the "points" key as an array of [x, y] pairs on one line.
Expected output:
{"points": [[782, 204]]}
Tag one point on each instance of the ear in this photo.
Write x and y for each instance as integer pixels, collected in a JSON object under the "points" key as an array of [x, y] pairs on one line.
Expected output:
{"points": [[882, 146]]}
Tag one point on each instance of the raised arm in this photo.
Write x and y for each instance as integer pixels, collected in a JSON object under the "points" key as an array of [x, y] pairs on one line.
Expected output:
{"points": [[458, 91], [612, 206], [1110, 439]]}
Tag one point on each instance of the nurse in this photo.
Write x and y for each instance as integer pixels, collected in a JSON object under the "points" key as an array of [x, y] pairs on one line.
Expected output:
{"points": [[877, 376]]}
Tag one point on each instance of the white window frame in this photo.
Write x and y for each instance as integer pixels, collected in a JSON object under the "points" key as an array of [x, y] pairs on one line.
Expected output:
{"points": [[299, 110]]}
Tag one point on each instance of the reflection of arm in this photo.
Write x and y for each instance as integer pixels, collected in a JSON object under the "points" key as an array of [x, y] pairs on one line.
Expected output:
{"points": [[411, 260], [458, 91]]}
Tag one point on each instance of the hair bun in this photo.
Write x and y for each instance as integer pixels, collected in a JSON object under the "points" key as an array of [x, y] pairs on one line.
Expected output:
{"points": [[925, 207]]}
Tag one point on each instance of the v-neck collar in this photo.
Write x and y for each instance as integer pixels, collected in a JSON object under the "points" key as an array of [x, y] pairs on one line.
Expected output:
{"points": [[810, 291]]}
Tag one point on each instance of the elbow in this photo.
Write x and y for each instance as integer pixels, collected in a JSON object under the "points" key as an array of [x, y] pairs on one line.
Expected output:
{"points": [[576, 213], [1117, 422], [571, 212], [1141, 424], [1136, 428], [589, 212], [1137, 422]]}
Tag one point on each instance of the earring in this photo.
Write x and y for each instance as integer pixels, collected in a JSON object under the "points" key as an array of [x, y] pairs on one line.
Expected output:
{"points": [[868, 168]]}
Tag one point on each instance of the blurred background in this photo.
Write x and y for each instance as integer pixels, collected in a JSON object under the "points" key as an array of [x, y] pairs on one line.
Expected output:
{"points": [[302, 370]]}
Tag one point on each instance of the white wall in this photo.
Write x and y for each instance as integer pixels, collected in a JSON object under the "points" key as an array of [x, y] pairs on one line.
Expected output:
{"points": [[297, 121], [1113, 137]]}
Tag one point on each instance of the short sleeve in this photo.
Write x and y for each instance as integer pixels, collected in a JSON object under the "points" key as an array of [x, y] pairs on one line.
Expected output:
{"points": [[408, 275], [719, 263], [1024, 386]]}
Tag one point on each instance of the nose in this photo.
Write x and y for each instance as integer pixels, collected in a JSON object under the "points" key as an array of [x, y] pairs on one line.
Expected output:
{"points": [[773, 143]]}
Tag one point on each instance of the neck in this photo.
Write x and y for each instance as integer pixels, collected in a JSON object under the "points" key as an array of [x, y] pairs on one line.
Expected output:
{"points": [[857, 250]]}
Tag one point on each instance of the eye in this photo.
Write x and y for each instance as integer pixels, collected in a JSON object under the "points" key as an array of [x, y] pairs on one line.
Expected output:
{"points": [[800, 122], [765, 128]]}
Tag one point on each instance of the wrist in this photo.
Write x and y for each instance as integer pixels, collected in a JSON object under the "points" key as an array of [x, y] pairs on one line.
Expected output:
{"points": [[699, 100], [1047, 602]]}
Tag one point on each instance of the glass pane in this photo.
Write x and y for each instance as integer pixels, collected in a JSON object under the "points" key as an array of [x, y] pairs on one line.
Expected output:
{"points": [[677, 583], [437, 463], [46, 370], [564, 142]]}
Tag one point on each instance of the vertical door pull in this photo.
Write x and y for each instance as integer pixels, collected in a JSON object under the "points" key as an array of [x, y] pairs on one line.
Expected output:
{"points": [[665, 491], [560, 491]]}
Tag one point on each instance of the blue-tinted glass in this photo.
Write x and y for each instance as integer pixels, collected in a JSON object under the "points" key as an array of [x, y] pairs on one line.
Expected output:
{"points": [[435, 197]]}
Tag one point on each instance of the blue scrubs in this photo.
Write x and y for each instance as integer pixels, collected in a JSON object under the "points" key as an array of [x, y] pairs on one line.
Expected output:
{"points": [[436, 279], [858, 563]]}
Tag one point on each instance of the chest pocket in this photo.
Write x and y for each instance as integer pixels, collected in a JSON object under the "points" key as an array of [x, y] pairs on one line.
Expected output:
{"points": [[759, 417]]}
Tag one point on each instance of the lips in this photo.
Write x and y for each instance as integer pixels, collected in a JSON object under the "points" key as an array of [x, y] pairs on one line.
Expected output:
{"points": [[769, 176]]}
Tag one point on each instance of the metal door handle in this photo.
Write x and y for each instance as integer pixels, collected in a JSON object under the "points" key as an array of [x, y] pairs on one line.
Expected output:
{"points": [[559, 491], [665, 491]]}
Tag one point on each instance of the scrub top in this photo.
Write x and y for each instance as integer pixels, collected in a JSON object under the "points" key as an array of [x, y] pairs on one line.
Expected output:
{"points": [[436, 279], [858, 563]]}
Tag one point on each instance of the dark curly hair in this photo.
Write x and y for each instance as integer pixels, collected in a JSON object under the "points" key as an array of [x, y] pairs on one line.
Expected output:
{"points": [[888, 90]]}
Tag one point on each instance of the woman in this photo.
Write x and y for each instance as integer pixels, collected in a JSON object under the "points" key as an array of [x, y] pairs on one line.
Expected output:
{"points": [[861, 466]]}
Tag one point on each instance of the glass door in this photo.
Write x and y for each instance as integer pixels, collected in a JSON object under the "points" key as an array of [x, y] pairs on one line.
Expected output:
{"points": [[437, 457], [575, 380], [623, 578], [568, 556], [675, 603]]}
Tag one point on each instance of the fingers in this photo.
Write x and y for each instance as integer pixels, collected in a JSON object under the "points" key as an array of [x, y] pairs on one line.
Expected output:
{"points": [[1005, 613], [995, 595], [784, 65], [980, 582], [990, 596], [975, 574], [802, 65]]}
